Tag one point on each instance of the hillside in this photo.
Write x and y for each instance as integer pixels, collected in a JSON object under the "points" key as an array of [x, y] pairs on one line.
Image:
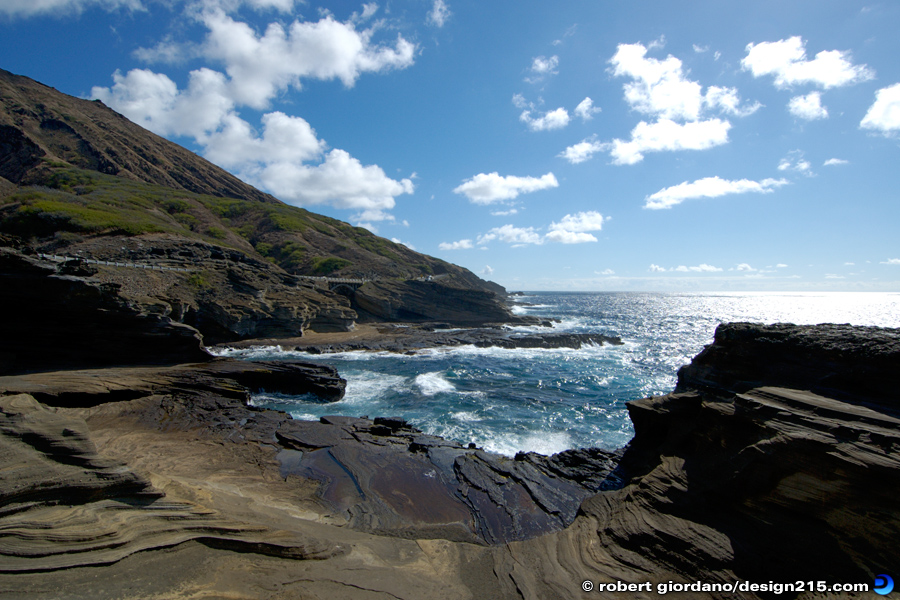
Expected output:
{"points": [[78, 179]]}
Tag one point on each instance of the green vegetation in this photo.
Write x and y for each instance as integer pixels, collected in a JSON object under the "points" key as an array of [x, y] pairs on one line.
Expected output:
{"points": [[73, 203], [324, 266], [199, 281]]}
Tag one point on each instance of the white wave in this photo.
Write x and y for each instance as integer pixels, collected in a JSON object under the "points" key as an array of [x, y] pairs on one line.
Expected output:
{"points": [[370, 385], [433, 383], [466, 416], [547, 443]]}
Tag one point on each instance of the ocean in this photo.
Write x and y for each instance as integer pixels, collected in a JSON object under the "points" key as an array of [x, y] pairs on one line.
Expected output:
{"points": [[547, 401]]}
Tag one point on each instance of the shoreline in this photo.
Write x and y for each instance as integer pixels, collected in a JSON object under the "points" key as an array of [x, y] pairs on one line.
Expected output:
{"points": [[413, 337]]}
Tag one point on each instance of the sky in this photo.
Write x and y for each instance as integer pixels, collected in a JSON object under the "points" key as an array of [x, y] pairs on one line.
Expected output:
{"points": [[577, 145]]}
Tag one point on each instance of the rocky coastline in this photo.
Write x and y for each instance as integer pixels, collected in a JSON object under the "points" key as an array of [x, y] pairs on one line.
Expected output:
{"points": [[135, 466], [753, 469]]}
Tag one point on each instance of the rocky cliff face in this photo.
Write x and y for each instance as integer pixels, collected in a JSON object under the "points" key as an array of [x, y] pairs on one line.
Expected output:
{"points": [[51, 320]]}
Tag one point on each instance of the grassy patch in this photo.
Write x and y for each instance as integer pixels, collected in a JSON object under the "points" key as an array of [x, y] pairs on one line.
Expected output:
{"points": [[325, 266]]}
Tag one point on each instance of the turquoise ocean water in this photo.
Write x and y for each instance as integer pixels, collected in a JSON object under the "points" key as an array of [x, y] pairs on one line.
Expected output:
{"points": [[552, 400]]}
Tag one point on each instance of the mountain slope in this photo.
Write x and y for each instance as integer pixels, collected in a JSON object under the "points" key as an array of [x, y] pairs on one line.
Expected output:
{"points": [[78, 179]]}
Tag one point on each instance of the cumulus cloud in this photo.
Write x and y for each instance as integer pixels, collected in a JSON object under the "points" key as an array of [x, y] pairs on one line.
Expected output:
{"points": [[259, 66], [667, 135], [835, 161], [586, 109], [582, 151], [660, 88], [681, 107], [808, 107], [656, 269], [605, 272], [488, 188], [460, 245], [555, 119], [709, 187], [884, 115], [339, 180], [786, 61], [573, 228], [745, 267], [154, 101], [891, 261], [517, 236], [438, 14]]}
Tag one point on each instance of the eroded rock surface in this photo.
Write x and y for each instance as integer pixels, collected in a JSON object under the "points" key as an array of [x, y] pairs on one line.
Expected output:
{"points": [[749, 471]]}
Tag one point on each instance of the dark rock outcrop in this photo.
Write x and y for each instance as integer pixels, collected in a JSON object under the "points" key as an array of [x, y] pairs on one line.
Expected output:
{"points": [[418, 301], [51, 321], [411, 338]]}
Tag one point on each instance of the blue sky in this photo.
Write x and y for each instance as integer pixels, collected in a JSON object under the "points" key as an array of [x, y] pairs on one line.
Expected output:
{"points": [[557, 146]]}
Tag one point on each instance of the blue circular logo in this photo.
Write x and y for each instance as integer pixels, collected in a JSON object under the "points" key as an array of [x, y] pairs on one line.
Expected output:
{"points": [[883, 585]]}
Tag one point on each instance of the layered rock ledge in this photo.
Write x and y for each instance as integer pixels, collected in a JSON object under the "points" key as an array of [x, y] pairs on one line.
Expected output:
{"points": [[775, 459]]}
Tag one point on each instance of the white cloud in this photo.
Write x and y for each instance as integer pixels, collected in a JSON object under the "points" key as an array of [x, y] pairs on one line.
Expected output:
{"points": [[487, 188], [460, 245], [504, 213], [59, 8], [701, 268], [781, 266], [661, 89], [786, 61], [700, 49], [573, 228], [259, 66], [605, 272], [374, 214], [562, 236], [152, 100], [518, 236], [583, 221], [656, 269], [794, 161], [891, 261], [487, 270], [285, 139], [708, 187], [835, 161], [586, 109], [884, 114], [555, 119], [667, 135], [439, 14], [545, 66], [745, 267], [582, 151], [808, 107], [339, 180], [833, 276]]}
